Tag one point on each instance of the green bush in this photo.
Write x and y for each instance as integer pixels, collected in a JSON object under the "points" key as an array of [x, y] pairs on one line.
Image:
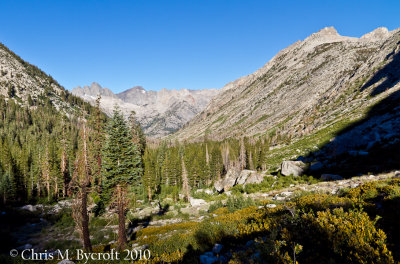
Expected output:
{"points": [[238, 202], [215, 206]]}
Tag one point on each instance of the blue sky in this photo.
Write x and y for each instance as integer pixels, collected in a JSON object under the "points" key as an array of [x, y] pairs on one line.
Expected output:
{"points": [[172, 44]]}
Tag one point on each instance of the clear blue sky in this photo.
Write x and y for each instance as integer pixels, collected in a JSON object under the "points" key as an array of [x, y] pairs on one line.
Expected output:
{"points": [[172, 44]]}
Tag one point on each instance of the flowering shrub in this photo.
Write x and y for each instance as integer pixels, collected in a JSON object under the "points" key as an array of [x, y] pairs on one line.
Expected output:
{"points": [[315, 228], [350, 236]]}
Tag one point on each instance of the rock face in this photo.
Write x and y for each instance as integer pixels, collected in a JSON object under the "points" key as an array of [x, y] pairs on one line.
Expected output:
{"points": [[159, 113], [295, 168], [28, 84], [243, 177], [234, 177], [304, 88], [254, 178]]}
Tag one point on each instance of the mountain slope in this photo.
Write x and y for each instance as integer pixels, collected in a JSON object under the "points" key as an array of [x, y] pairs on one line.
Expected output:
{"points": [[304, 88], [27, 84], [160, 113], [39, 126]]}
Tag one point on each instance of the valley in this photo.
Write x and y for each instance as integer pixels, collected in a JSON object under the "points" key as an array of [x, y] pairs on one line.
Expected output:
{"points": [[295, 163]]}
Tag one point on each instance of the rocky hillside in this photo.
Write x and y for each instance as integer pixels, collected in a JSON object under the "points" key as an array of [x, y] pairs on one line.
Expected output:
{"points": [[308, 86], [159, 112], [27, 84]]}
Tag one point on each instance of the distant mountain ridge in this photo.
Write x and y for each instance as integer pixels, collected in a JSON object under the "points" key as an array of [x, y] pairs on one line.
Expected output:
{"points": [[159, 112]]}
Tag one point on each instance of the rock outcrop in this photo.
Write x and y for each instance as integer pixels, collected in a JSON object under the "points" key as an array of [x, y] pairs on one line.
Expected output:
{"points": [[295, 168]]}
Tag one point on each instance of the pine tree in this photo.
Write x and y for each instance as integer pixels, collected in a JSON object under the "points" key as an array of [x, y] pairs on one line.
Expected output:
{"points": [[121, 167], [216, 164], [97, 137], [149, 173], [64, 160], [138, 136]]}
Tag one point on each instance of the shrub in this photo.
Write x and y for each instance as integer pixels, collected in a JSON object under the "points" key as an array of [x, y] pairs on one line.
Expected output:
{"points": [[215, 206], [351, 237], [238, 202], [319, 202]]}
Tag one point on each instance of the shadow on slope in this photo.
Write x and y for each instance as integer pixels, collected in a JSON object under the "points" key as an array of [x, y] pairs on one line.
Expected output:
{"points": [[389, 75], [370, 145], [138, 223]]}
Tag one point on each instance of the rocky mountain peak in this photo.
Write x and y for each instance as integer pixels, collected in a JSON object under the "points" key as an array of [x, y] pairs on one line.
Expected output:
{"points": [[93, 90], [159, 112], [377, 34], [328, 31]]}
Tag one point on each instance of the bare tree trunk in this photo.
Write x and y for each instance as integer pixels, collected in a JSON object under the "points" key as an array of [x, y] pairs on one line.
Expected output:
{"points": [[207, 156], [64, 171], [81, 181], [149, 192], [251, 161], [85, 221], [122, 241], [56, 188], [185, 181], [242, 157]]}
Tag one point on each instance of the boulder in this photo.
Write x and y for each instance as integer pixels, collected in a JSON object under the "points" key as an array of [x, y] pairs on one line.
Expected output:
{"points": [[228, 181], [218, 186], [286, 194], [234, 177], [207, 191], [29, 207], [331, 177], [196, 202], [254, 178], [295, 168], [244, 174]]}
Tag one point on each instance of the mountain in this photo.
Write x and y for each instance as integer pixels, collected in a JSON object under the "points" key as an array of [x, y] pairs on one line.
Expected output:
{"points": [[307, 86], [159, 112], [28, 85]]}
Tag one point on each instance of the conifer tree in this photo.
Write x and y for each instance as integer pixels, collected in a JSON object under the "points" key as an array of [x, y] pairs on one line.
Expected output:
{"points": [[64, 159], [97, 137], [149, 173], [121, 167], [138, 136]]}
